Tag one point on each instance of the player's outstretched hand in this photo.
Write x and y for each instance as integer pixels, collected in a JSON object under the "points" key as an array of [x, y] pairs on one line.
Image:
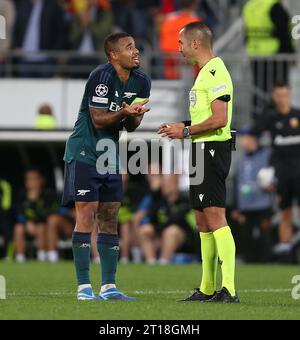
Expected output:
{"points": [[135, 110], [141, 106], [172, 131]]}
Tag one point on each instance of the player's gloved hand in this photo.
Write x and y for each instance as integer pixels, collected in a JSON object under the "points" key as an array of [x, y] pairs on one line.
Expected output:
{"points": [[173, 131]]}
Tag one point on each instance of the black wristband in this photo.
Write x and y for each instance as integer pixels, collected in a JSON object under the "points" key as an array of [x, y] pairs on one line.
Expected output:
{"points": [[187, 122]]}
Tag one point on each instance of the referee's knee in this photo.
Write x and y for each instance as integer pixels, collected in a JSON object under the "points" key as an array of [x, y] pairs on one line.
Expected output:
{"points": [[215, 218]]}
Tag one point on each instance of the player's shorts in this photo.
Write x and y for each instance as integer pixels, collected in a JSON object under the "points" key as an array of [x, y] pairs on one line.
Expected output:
{"points": [[288, 188], [216, 160], [84, 184]]}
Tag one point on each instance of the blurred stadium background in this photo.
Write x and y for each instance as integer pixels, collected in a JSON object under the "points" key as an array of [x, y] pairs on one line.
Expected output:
{"points": [[49, 50]]}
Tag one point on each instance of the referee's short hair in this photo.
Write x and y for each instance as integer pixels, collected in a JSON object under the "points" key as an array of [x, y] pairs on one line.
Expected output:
{"points": [[200, 30], [111, 41]]}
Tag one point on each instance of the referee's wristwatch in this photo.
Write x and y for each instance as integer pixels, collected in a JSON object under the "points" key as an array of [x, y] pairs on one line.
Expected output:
{"points": [[186, 132]]}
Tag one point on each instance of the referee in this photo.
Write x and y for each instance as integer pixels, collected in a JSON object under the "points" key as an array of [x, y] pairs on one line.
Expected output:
{"points": [[211, 112]]}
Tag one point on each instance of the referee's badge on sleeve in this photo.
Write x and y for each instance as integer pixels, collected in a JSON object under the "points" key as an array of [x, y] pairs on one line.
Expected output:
{"points": [[193, 97]]}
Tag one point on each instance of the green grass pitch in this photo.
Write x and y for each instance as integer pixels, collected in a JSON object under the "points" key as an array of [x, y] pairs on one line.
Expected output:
{"points": [[45, 291]]}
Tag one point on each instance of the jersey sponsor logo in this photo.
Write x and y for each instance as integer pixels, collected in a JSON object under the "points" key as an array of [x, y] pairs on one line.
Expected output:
{"points": [[101, 90], [100, 100], [213, 72], [219, 88], [193, 97], [83, 192], [129, 95], [201, 197], [286, 141], [212, 152], [114, 107], [82, 153], [117, 94]]}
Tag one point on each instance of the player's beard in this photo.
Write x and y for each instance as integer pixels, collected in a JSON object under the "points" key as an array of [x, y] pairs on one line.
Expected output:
{"points": [[136, 67]]}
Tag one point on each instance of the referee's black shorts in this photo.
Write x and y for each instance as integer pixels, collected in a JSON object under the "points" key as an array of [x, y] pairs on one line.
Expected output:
{"points": [[216, 162]]}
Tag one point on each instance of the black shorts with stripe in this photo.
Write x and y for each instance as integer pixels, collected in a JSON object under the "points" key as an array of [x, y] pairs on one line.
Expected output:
{"points": [[212, 161]]}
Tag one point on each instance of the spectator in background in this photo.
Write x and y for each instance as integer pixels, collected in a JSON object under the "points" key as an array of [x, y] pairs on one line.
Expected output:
{"points": [[133, 193], [283, 123], [91, 23], [34, 205], [5, 213], [168, 226], [7, 10], [40, 26], [254, 198], [169, 32], [45, 119], [206, 10], [135, 17], [268, 33], [59, 225]]}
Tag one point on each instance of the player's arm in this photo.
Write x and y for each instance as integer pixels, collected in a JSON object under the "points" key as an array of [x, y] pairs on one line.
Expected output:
{"points": [[102, 118], [100, 89], [132, 123]]}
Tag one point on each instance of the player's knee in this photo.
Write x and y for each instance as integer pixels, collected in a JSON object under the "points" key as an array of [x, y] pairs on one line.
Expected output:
{"points": [[19, 230], [146, 231], [173, 231], [53, 221], [203, 228], [215, 218], [109, 228], [85, 217]]}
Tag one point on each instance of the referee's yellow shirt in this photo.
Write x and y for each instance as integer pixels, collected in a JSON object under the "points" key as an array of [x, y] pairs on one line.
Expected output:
{"points": [[213, 81]]}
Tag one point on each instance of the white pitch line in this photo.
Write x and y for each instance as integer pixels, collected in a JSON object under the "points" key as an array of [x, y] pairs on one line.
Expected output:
{"points": [[153, 292]]}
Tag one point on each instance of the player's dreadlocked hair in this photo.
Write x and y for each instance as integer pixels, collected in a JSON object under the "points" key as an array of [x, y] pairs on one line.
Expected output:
{"points": [[111, 41]]}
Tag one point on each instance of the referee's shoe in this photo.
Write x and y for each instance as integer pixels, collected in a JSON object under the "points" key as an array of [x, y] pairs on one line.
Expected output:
{"points": [[198, 296], [223, 296]]}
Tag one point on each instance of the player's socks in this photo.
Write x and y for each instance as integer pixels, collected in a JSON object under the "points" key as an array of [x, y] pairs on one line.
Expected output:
{"points": [[81, 252], [136, 255], [108, 248], [20, 258], [52, 256], [209, 263], [41, 255], [226, 251], [105, 288]]}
